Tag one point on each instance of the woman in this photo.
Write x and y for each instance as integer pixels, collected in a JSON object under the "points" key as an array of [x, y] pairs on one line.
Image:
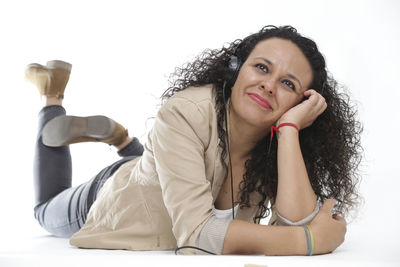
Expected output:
{"points": [[211, 156]]}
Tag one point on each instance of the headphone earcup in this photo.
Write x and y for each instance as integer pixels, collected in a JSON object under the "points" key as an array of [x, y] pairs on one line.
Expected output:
{"points": [[234, 65]]}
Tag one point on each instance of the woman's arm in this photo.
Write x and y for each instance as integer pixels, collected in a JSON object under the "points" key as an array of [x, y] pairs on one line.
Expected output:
{"points": [[295, 198], [248, 238]]}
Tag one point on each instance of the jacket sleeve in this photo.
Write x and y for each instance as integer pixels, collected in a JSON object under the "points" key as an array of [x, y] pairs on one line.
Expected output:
{"points": [[180, 138], [277, 219], [213, 234]]}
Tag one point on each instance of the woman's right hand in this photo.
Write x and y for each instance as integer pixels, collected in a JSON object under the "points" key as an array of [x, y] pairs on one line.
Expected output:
{"points": [[328, 230]]}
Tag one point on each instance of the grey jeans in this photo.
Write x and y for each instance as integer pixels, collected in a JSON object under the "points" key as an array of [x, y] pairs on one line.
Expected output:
{"points": [[60, 208]]}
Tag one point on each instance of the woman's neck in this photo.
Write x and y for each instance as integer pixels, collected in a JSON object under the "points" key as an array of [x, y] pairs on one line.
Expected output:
{"points": [[243, 137]]}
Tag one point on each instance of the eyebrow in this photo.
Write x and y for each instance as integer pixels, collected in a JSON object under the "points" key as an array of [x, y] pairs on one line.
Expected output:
{"points": [[288, 74]]}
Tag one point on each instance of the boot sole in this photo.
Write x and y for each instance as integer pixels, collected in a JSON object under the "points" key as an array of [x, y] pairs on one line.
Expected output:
{"points": [[62, 130]]}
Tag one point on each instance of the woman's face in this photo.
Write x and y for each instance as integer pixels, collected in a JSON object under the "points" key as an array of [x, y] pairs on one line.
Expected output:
{"points": [[271, 81]]}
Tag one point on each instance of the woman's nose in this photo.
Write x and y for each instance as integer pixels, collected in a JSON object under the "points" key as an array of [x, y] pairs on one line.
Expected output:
{"points": [[269, 86]]}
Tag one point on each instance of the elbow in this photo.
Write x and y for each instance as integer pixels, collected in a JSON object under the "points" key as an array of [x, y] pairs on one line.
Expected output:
{"points": [[298, 220]]}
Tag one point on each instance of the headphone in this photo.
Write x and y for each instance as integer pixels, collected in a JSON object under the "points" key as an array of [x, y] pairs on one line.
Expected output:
{"points": [[234, 66], [234, 63], [233, 69]]}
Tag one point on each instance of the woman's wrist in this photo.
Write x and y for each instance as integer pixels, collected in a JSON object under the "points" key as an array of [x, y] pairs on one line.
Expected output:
{"points": [[287, 130]]}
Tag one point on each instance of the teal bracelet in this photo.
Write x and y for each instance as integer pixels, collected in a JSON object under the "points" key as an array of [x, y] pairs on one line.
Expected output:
{"points": [[308, 241]]}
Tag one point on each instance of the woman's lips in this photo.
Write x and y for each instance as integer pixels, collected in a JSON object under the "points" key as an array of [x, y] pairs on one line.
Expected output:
{"points": [[259, 100]]}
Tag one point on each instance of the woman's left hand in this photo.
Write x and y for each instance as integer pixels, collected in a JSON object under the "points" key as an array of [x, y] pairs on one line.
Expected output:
{"points": [[306, 112]]}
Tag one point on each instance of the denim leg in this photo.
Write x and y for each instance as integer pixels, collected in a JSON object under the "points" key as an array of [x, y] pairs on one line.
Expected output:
{"points": [[61, 209], [64, 214], [52, 170]]}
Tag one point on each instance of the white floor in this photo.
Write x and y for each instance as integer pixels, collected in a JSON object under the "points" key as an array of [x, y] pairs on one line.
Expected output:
{"points": [[363, 247]]}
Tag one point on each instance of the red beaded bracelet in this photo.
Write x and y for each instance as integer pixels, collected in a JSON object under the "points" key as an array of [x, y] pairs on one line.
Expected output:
{"points": [[276, 129]]}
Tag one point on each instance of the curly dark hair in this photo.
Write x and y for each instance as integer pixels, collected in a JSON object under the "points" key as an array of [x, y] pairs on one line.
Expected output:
{"points": [[331, 146]]}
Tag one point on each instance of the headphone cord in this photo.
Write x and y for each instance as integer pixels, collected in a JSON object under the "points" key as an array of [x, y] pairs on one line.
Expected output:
{"points": [[228, 146], [201, 249]]}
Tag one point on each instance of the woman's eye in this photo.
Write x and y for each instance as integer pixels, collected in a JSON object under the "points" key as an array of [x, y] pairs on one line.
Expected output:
{"points": [[262, 68], [289, 84]]}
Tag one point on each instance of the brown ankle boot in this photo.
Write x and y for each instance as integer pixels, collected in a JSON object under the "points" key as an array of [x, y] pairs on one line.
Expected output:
{"points": [[65, 130], [51, 79]]}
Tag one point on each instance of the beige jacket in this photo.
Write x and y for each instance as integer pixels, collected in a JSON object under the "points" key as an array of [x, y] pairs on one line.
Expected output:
{"points": [[163, 199]]}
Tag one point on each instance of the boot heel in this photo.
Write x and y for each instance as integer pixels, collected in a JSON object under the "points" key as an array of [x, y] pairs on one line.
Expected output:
{"points": [[99, 127], [59, 64]]}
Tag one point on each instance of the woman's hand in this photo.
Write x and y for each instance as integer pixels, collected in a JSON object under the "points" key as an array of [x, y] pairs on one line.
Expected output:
{"points": [[305, 113], [328, 230]]}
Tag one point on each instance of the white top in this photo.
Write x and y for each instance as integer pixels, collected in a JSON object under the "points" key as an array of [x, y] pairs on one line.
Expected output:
{"points": [[224, 214]]}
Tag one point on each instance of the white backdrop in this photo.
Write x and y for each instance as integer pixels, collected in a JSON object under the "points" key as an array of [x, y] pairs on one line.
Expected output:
{"points": [[123, 52]]}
